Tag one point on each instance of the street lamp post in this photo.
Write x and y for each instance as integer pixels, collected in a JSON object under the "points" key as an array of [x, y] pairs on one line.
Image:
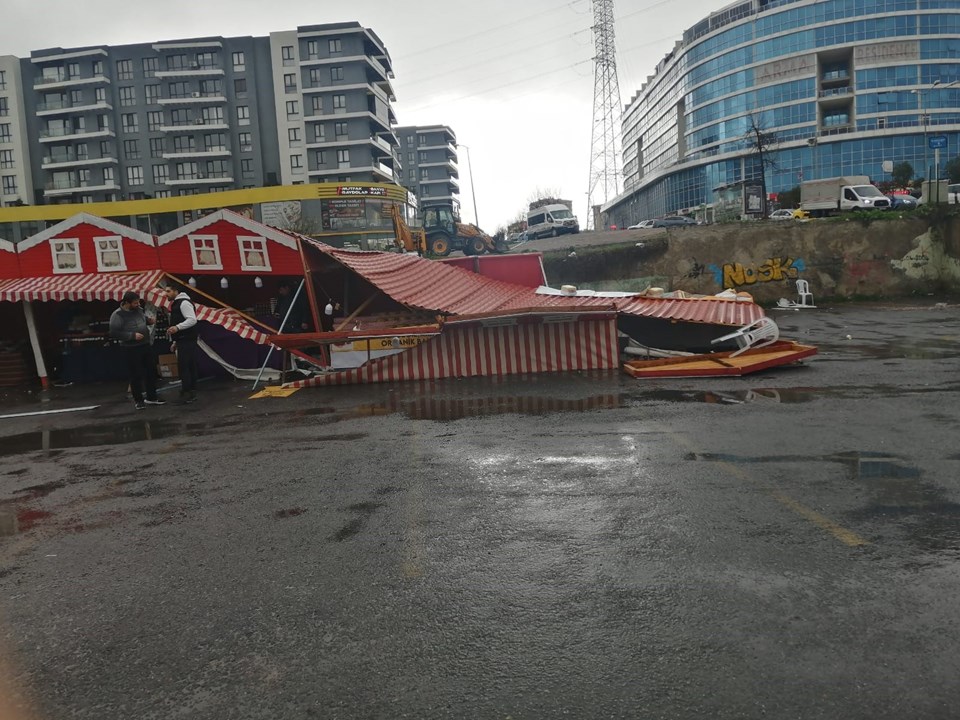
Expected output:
{"points": [[473, 192], [919, 92]]}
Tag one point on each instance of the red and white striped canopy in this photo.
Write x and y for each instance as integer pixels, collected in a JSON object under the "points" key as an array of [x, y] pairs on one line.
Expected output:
{"points": [[105, 287]]}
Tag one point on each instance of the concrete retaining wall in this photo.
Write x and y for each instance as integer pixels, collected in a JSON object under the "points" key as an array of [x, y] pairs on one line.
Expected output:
{"points": [[840, 259]]}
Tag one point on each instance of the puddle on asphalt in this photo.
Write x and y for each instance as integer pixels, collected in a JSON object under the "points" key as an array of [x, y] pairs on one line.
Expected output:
{"points": [[931, 350], [100, 435], [783, 396]]}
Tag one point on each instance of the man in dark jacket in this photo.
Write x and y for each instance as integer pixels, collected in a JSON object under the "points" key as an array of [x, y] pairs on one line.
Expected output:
{"points": [[129, 324], [184, 333], [297, 320]]}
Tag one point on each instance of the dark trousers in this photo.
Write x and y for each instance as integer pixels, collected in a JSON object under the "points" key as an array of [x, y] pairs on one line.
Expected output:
{"points": [[187, 366], [141, 371]]}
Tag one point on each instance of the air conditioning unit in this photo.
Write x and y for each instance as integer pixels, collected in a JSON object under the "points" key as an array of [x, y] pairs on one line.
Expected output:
{"points": [[195, 94]]}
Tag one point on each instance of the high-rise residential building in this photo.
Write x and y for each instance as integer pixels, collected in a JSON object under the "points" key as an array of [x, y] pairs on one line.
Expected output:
{"points": [[202, 115], [334, 110], [429, 159], [840, 87], [16, 185]]}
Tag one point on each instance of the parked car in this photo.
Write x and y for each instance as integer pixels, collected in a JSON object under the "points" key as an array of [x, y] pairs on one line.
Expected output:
{"points": [[643, 225], [781, 215], [673, 221], [902, 202]]}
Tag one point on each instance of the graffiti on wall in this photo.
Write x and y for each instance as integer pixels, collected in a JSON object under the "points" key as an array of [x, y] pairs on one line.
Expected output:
{"points": [[777, 269]]}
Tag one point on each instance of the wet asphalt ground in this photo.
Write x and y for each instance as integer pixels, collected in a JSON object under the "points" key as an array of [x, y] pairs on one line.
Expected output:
{"points": [[785, 545]]}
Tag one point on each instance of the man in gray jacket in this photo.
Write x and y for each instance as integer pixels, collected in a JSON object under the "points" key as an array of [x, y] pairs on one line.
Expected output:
{"points": [[129, 324]]}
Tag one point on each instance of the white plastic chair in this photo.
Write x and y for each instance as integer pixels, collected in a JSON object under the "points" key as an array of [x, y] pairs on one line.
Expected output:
{"points": [[804, 296], [759, 333]]}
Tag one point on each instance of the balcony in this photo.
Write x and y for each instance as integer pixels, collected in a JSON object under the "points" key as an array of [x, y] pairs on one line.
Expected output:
{"points": [[449, 149], [354, 171], [53, 189], [65, 107], [66, 160], [835, 92], [204, 153], [449, 166], [198, 125], [194, 99], [47, 83], [63, 135], [190, 71], [200, 179]]}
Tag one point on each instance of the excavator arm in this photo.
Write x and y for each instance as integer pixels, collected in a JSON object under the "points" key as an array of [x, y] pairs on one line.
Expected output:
{"points": [[407, 239]]}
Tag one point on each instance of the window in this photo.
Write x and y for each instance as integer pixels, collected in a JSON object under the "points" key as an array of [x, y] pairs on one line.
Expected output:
{"points": [[183, 144], [246, 142], [253, 253], [6, 159], [339, 104], [424, 174], [286, 52], [106, 148], [131, 149], [100, 95], [240, 87], [341, 131], [76, 98], [154, 120], [86, 199], [82, 151], [312, 50], [98, 68], [316, 103], [316, 77], [108, 177], [188, 171], [423, 157], [176, 62], [206, 60], [179, 89], [4, 108], [161, 194], [290, 83], [129, 123], [343, 158], [110, 253], [212, 115], [336, 73], [5, 136], [296, 162], [180, 116], [3, 79], [335, 46], [421, 139], [9, 184], [413, 175], [243, 115], [239, 64], [246, 168], [321, 158], [128, 96], [319, 134], [409, 140], [156, 147], [218, 169], [411, 158], [151, 94], [135, 175], [161, 173], [211, 88], [206, 252], [150, 66], [215, 142], [124, 69], [293, 137], [103, 122], [66, 255], [293, 109]]}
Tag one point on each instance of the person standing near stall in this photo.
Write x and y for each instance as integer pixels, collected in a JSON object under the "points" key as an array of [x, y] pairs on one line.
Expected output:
{"points": [[130, 325], [183, 332]]}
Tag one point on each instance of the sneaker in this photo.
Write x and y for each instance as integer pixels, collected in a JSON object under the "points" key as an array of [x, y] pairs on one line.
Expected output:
{"points": [[158, 401], [139, 406]]}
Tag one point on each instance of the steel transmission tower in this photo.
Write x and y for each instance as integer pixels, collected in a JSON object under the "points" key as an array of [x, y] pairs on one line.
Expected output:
{"points": [[605, 139]]}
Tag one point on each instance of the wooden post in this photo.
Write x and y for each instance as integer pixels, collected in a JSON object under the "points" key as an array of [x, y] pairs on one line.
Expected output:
{"points": [[35, 344]]}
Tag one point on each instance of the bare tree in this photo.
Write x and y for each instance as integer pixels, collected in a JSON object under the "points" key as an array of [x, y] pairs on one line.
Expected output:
{"points": [[300, 223], [764, 144]]}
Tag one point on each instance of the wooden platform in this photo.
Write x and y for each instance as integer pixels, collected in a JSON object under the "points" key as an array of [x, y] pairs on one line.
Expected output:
{"points": [[780, 353]]}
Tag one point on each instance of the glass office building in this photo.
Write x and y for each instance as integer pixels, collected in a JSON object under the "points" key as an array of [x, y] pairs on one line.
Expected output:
{"points": [[842, 85]]}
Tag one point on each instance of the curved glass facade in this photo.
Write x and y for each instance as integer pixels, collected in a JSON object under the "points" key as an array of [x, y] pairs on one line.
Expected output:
{"points": [[842, 85]]}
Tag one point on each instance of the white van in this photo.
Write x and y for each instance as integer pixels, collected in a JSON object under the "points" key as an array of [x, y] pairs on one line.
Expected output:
{"points": [[550, 221]]}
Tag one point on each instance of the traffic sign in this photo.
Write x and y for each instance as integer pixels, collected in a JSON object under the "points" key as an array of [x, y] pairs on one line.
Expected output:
{"points": [[938, 142]]}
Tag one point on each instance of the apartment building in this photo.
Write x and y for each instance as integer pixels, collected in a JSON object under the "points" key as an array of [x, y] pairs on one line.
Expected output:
{"points": [[203, 115], [16, 185], [429, 156]]}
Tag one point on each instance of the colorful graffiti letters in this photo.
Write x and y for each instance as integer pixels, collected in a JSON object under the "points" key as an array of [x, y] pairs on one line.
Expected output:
{"points": [[776, 269]]}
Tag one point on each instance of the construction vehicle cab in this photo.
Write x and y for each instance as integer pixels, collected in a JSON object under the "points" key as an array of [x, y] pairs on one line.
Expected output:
{"points": [[445, 233]]}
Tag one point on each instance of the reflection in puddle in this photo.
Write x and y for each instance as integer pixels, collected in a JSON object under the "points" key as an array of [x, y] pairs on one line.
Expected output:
{"points": [[783, 396]]}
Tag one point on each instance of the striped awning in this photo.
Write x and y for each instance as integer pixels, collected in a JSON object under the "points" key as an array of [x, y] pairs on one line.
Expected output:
{"points": [[104, 287]]}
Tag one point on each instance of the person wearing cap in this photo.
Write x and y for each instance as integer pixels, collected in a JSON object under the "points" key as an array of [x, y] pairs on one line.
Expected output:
{"points": [[183, 331], [130, 326]]}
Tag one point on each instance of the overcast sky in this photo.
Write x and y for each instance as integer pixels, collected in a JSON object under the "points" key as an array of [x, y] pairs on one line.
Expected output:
{"points": [[513, 79]]}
